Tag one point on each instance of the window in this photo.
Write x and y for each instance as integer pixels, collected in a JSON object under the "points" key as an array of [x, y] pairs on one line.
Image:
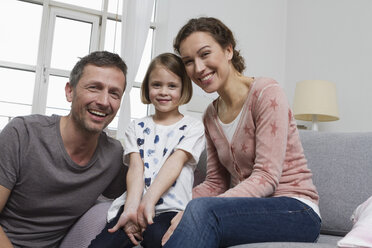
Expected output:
{"points": [[42, 44]]}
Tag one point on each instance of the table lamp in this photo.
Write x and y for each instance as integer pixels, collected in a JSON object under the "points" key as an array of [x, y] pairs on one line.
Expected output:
{"points": [[315, 100]]}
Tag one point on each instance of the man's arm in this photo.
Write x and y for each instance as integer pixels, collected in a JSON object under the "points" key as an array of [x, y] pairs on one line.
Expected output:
{"points": [[4, 195]]}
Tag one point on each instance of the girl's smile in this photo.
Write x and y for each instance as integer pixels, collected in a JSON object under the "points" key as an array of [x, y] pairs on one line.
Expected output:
{"points": [[165, 90]]}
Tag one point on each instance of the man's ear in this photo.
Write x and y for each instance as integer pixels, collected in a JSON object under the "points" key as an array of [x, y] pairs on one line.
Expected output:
{"points": [[69, 92]]}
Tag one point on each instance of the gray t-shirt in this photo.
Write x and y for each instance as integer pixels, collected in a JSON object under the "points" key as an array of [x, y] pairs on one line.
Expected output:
{"points": [[49, 192]]}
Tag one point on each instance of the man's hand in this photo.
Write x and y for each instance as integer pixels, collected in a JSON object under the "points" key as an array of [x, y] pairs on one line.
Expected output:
{"points": [[128, 221], [174, 223]]}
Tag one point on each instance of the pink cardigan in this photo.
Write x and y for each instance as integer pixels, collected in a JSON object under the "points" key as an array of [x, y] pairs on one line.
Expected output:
{"points": [[265, 157]]}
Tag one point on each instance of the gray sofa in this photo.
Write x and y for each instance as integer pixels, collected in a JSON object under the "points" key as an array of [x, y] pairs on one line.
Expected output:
{"points": [[342, 172]]}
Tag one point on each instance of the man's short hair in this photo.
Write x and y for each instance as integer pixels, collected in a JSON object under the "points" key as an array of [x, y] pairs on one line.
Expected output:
{"points": [[98, 58]]}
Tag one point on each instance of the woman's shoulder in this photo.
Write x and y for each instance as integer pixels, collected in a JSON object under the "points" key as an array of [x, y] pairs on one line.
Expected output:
{"points": [[210, 112], [262, 82]]}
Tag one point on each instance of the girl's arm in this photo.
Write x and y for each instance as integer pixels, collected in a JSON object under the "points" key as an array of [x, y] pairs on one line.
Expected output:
{"points": [[135, 182], [135, 186], [167, 175]]}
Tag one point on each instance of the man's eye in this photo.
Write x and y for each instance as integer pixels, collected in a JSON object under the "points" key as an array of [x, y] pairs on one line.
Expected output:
{"points": [[115, 95]]}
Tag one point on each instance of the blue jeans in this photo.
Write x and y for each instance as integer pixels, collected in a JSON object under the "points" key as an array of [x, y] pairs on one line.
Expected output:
{"points": [[221, 222], [151, 236]]}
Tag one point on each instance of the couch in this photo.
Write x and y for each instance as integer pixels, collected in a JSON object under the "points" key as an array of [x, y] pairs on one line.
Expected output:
{"points": [[341, 164]]}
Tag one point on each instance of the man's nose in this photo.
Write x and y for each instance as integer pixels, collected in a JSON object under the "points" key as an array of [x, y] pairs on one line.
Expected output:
{"points": [[103, 98]]}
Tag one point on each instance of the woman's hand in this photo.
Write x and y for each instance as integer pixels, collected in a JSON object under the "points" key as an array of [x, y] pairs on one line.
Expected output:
{"points": [[128, 221], [174, 223]]}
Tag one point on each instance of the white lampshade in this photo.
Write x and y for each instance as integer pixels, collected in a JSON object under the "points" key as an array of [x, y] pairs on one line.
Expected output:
{"points": [[315, 100]]}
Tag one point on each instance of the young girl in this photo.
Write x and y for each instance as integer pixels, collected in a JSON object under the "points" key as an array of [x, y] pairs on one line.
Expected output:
{"points": [[162, 151]]}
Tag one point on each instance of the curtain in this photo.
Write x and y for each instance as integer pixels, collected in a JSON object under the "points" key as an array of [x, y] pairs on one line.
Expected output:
{"points": [[136, 20]]}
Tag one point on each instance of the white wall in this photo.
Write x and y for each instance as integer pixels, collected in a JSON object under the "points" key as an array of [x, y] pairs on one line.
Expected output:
{"points": [[332, 40], [258, 25], [293, 40]]}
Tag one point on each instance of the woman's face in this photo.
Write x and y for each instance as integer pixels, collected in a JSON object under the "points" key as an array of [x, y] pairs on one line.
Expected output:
{"points": [[207, 63]]}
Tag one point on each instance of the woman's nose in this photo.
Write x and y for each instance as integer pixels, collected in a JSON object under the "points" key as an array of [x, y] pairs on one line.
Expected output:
{"points": [[199, 65]]}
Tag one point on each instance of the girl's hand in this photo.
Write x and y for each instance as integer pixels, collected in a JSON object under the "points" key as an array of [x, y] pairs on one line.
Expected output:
{"points": [[128, 221], [145, 213], [174, 223]]}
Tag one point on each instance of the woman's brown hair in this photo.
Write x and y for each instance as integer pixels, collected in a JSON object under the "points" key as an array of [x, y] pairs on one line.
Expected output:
{"points": [[219, 31]]}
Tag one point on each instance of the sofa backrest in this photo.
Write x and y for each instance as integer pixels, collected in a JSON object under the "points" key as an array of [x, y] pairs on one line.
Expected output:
{"points": [[341, 164]]}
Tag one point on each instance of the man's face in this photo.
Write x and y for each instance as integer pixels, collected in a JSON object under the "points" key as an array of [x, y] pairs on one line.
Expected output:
{"points": [[96, 97]]}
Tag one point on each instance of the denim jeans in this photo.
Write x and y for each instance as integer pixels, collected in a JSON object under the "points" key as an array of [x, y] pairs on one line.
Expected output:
{"points": [[151, 236], [221, 222]]}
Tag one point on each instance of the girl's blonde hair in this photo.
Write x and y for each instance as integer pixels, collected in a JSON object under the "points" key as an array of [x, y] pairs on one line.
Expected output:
{"points": [[174, 64]]}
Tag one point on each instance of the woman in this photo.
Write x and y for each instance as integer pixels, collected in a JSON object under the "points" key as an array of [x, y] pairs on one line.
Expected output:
{"points": [[258, 187]]}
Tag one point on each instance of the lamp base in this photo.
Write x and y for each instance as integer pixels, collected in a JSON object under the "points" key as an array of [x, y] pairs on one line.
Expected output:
{"points": [[314, 126]]}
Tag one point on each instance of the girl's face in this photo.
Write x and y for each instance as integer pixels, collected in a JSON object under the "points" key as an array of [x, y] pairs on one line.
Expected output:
{"points": [[206, 62], [165, 89]]}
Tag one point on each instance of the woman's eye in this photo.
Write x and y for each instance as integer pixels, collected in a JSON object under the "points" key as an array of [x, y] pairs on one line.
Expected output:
{"points": [[187, 62]]}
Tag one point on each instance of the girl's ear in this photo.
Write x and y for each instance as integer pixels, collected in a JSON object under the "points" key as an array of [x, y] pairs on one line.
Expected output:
{"points": [[69, 92], [229, 51]]}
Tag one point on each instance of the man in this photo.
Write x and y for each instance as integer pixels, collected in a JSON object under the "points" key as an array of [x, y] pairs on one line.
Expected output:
{"points": [[53, 168]]}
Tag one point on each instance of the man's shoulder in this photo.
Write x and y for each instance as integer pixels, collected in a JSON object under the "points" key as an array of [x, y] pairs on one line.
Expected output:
{"points": [[33, 122], [109, 143], [41, 120]]}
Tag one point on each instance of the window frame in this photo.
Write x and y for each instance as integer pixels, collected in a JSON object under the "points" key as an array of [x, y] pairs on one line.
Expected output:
{"points": [[42, 68]]}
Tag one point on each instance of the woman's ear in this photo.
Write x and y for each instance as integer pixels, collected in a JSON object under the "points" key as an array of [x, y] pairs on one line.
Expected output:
{"points": [[229, 51], [69, 92]]}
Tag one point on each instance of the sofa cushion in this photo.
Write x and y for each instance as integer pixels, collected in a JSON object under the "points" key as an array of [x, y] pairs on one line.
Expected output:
{"points": [[360, 234], [341, 164]]}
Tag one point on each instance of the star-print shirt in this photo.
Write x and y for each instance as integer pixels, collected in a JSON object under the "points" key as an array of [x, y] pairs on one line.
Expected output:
{"points": [[265, 157], [155, 143]]}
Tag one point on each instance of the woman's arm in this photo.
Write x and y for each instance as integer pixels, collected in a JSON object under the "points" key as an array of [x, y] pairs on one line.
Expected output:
{"points": [[167, 175], [217, 178]]}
